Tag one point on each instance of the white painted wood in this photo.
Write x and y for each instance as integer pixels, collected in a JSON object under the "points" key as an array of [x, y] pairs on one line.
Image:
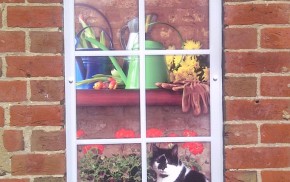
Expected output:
{"points": [[216, 122]]}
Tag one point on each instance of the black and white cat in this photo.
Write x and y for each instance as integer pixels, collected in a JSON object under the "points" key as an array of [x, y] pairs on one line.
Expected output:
{"points": [[169, 168]]}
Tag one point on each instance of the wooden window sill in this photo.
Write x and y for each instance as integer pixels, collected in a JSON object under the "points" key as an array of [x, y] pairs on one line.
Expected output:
{"points": [[122, 97]]}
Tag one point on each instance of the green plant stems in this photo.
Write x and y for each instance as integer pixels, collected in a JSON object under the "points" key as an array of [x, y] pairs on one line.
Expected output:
{"points": [[100, 77], [113, 59]]}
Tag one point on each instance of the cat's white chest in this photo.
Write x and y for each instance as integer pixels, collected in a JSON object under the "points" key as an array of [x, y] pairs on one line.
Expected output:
{"points": [[167, 179], [171, 171]]}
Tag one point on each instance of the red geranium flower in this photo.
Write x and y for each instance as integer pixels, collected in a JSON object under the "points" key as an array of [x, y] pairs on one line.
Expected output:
{"points": [[154, 132], [186, 145], [172, 135], [80, 133], [124, 133], [194, 147], [100, 148], [189, 133]]}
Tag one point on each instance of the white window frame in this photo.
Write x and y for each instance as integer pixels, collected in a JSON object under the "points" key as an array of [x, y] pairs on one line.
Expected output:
{"points": [[216, 116]]}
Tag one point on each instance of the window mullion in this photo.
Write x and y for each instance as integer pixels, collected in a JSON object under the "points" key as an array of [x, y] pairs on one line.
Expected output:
{"points": [[216, 116], [141, 9]]}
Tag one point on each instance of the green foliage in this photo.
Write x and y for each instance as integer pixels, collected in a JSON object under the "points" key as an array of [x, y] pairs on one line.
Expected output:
{"points": [[190, 162], [117, 168], [121, 167]]}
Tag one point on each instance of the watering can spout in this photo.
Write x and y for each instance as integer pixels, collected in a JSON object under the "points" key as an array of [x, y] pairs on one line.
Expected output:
{"points": [[155, 68], [133, 27]]}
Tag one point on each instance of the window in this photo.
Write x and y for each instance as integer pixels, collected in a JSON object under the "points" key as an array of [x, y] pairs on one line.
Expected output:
{"points": [[119, 129]]}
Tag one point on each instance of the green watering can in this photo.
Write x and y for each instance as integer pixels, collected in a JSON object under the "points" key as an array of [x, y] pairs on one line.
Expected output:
{"points": [[155, 65], [155, 68]]}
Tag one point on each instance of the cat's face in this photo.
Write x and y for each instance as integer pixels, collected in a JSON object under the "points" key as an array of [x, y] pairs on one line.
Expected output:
{"points": [[164, 161]]}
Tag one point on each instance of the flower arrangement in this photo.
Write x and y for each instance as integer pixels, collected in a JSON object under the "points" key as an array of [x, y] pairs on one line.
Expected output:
{"points": [[187, 67], [126, 166], [189, 73], [87, 38]]}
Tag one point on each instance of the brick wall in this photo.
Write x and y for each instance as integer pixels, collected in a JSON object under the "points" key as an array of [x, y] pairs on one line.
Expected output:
{"points": [[257, 65], [257, 81], [32, 139]]}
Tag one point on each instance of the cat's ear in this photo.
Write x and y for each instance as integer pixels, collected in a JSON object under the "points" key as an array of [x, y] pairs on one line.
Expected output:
{"points": [[175, 150], [154, 147]]}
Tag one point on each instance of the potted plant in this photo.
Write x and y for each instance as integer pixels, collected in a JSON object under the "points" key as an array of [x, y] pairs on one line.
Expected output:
{"points": [[189, 74], [125, 166]]}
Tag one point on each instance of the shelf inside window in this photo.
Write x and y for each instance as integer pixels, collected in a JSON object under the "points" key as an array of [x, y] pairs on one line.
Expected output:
{"points": [[123, 97]]}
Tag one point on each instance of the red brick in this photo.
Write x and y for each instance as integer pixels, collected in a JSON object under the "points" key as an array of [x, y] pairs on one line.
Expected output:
{"points": [[38, 164], [253, 158], [241, 134], [14, 180], [47, 140], [275, 133], [0, 67], [275, 38], [276, 86], [257, 62], [34, 66], [13, 140], [237, 0], [240, 38], [46, 42], [240, 86], [45, 1], [1, 20], [18, 43], [13, 91], [2, 119], [49, 179], [34, 17], [277, 176], [241, 176], [12, 1], [47, 90], [36, 116], [256, 110], [247, 14]]}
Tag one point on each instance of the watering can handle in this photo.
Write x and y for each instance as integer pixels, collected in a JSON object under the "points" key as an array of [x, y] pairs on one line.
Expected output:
{"points": [[100, 13], [78, 59], [123, 29], [179, 34], [82, 30], [122, 39]]}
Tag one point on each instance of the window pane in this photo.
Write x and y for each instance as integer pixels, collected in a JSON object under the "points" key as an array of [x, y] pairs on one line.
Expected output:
{"points": [[170, 160], [109, 163], [182, 103], [105, 104], [114, 20], [187, 18]]}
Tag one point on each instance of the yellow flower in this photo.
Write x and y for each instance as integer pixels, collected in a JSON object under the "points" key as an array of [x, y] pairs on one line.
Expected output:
{"points": [[205, 76], [177, 60], [169, 58], [186, 67], [190, 44]]}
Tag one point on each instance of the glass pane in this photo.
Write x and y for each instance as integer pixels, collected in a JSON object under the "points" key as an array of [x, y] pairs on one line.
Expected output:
{"points": [[111, 22], [174, 160], [105, 104], [182, 101], [176, 19], [109, 72], [109, 163]]}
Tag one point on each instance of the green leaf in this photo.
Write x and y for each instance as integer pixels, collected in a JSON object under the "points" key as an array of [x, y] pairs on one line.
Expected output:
{"points": [[102, 38], [113, 59], [88, 32]]}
